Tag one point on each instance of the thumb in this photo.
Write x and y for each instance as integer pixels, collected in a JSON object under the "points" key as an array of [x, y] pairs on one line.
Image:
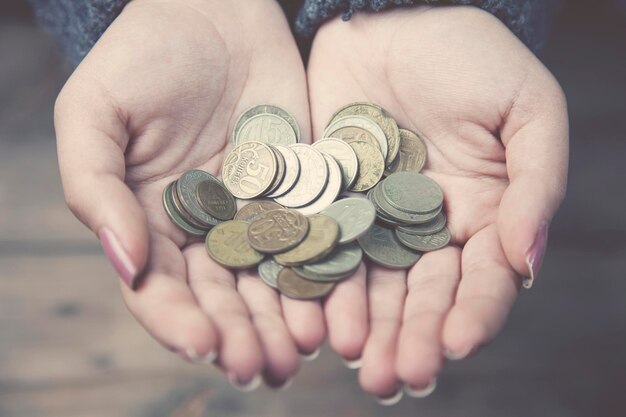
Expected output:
{"points": [[535, 135], [91, 140]]}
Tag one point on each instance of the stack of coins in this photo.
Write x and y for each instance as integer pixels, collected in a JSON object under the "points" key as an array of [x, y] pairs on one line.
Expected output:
{"points": [[301, 229]]}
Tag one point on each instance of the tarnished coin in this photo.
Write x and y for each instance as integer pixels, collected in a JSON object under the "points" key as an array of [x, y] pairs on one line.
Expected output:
{"points": [[343, 259], [216, 200], [412, 154], [227, 243], [277, 231], [292, 171], [380, 116], [254, 209], [382, 246], [354, 216], [175, 217], [401, 216], [280, 171], [356, 134], [322, 278], [371, 166], [362, 122], [412, 192], [187, 191], [249, 170], [425, 243], [320, 241], [330, 193], [312, 180], [268, 271], [178, 206], [344, 155], [294, 286], [269, 130], [435, 225]]}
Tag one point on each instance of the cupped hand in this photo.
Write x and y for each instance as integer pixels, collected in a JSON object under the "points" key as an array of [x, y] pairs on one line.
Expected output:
{"points": [[495, 124], [156, 96]]}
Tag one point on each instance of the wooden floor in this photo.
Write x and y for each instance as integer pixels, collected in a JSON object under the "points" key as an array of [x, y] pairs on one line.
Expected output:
{"points": [[69, 348]]}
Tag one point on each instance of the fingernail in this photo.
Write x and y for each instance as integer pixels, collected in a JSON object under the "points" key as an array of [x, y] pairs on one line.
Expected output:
{"points": [[457, 356], [118, 256], [249, 386], [535, 254], [308, 357], [352, 363], [283, 386], [206, 359], [421, 392], [392, 400]]}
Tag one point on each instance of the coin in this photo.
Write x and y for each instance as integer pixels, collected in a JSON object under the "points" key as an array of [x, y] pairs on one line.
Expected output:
{"points": [[322, 278], [320, 241], [280, 171], [412, 192], [382, 246], [268, 271], [364, 123], [412, 154], [356, 134], [277, 231], [425, 243], [344, 155], [175, 217], [254, 209], [227, 243], [249, 170], [266, 128], [187, 191], [183, 213], [343, 259], [380, 116], [354, 216], [400, 215], [424, 229], [294, 286], [292, 171], [215, 199], [330, 193], [371, 166], [267, 109], [312, 180]]}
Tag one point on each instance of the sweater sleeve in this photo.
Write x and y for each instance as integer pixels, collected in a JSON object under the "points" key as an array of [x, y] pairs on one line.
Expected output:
{"points": [[77, 25], [528, 19]]}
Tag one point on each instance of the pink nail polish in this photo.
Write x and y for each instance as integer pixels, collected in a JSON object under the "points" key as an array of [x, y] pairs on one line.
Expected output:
{"points": [[535, 254], [118, 256]]}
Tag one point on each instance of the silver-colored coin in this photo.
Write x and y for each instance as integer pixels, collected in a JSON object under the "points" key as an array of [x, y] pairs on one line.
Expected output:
{"points": [[412, 192], [268, 271], [175, 217], [330, 193], [364, 123], [281, 167], [425, 243], [344, 154], [187, 190], [382, 246], [269, 110], [343, 259], [267, 128], [312, 180], [435, 225], [292, 171], [311, 276], [400, 215], [354, 215]]}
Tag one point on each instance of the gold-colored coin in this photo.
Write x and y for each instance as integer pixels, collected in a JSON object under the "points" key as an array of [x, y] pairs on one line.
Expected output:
{"points": [[412, 155], [294, 286], [227, 243], [277, 231], [320, 241], [354, 133], [371, 166], [255, 209], [249, 170]]}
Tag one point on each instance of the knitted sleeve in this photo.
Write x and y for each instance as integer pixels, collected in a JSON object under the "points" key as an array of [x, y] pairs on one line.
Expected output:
{"points": [[528, 19]]}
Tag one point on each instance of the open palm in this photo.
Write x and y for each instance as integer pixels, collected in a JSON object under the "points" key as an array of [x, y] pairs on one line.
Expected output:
{"points": [[158, 95], [495, 125]]}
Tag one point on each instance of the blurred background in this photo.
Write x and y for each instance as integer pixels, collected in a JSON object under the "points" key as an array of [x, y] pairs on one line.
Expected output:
{"points": [[69, 348]]}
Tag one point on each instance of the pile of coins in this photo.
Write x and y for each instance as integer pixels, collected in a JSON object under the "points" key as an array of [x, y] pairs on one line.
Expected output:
{"points": [[305, 217]]}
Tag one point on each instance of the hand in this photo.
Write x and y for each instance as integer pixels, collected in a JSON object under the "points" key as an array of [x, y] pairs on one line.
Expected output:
{"points": [[158, 95], [495, 124]]}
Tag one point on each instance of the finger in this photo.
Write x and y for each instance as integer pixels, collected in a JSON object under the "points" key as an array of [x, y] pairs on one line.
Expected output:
{"points": [[346, 316], [166, 307], [91, 139], [432, 284], [484, 298], [386, 290], [280, 352], [240, 352], [305, 321], [535, 135]]}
